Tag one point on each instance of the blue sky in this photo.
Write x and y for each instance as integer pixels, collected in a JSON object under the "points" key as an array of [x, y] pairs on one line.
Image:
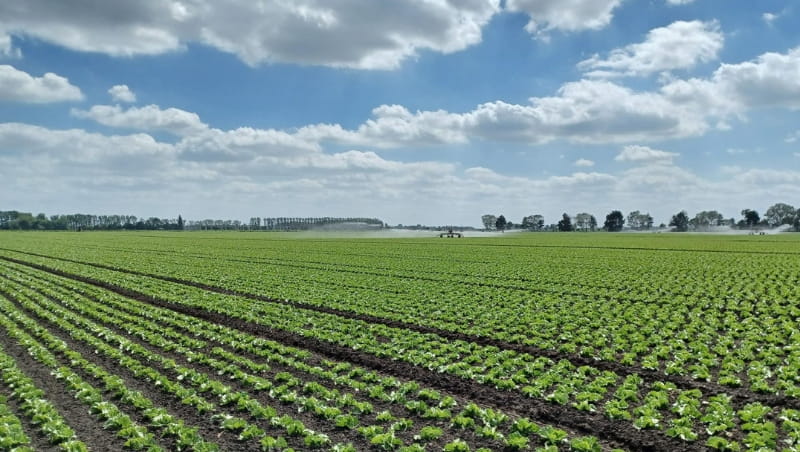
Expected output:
{"points": [[412, 111]]}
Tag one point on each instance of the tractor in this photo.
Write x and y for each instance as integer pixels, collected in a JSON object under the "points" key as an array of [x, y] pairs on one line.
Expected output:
{"points": [[450, 234]]}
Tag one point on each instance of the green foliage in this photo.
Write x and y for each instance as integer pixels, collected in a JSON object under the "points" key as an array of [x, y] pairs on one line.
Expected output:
{"points": [[677, 305]]}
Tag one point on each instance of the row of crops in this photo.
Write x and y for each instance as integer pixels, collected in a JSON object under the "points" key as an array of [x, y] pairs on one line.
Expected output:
{"points": [[255, 341]]}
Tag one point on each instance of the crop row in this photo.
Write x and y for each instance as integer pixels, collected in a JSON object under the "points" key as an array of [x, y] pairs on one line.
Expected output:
{"points": [[717, 336], [285, 386], [660, 406]]}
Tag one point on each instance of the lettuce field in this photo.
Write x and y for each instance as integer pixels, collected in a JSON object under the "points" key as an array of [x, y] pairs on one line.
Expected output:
{"points": [[277, 341]]}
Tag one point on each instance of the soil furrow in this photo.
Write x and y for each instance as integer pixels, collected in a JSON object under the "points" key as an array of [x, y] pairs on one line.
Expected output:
{"points": [[585, 423], [741, 396], [74, 412], [38, 440], [209, 430], [309, 420]]}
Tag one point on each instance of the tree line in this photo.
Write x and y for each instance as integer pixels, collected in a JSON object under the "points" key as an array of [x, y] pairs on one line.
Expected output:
{"points": [[12, 219], [15, 220], [777, 215], [307, 223]]}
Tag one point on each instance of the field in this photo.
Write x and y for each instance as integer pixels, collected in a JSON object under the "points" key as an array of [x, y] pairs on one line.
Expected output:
{"points": [[271, 341]]}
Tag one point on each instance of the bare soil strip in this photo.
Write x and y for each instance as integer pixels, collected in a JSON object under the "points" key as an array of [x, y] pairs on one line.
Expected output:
{"points": [[38, 440], [74, 412], [207, 428], [585, 423], [315, 423], [740, 396]]}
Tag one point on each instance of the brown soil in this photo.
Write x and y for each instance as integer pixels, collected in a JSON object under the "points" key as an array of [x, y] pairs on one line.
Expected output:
{"points": [[622, 433], [313, 422], [74, 412], [740, 396], [207, 429], [38, 440]]}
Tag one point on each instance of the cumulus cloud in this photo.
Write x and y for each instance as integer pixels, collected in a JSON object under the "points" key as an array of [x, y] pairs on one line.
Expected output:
{"points": [[147, 118], [680, 45], [121, 93], [7, 49], [761, 177], [770, 80], [45, 167], [392, 126], [133, 167], [66, 152], [679, 2], [361, 34], [243, 144], [199, 141], [585, 163], [644, 154], [566, 15], [19, 86], [592, 111], [769, 18], [587, 111]]}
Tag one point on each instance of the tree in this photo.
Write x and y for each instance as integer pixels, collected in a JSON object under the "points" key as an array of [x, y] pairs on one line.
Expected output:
{"points": [[751, 218], [585, 222], [680, 221], [500, 223], [565, 224], [639, 221], [533, 222], [536, 222], [527, 223], [180, 223], [706, 219], [488, 221], [614, 221], [779, 214]]}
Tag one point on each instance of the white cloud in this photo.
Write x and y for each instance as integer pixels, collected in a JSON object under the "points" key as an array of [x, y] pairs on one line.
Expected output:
{"points": [[762, 177], [770, 18], [363, 34], [243, 144], [19, 86], [587, 111], [121, 93], [147, 118], [71, 170], [793, 137], [7, 49], [584, 163], [679, 2], [663, 178], [198, 140], [394, 125], [644, 154], [67, 149], [566, 15], [680, 45], [771, 80]]}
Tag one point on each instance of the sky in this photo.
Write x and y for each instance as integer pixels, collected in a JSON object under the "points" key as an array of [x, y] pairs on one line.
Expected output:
{"points": [[412, 111]]}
